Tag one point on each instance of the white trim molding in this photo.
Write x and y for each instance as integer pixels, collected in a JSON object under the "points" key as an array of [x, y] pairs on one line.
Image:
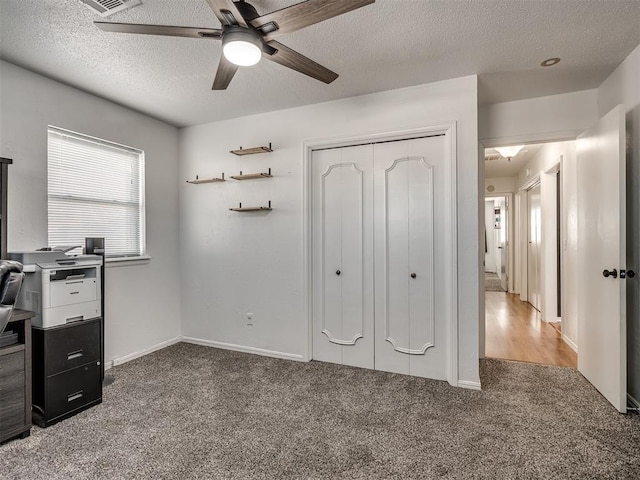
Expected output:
{"points": [[244, 349], [570, 342], [448, 129], [141, 353], [469, 385]]}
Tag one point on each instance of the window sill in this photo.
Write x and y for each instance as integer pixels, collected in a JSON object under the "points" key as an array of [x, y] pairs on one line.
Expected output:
{"points": [[127, 261]]}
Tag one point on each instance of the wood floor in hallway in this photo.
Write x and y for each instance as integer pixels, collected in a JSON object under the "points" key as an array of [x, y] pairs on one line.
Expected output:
{"points": [[513, 332]]}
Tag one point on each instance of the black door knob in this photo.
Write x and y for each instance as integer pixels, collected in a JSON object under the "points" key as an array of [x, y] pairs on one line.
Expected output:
{"points": [[338, 272], [613, 273], [413, 275], [631, 274]]}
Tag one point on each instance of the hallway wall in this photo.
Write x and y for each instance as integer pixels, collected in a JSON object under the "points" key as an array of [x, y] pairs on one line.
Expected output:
{"points": [[541, 161]]}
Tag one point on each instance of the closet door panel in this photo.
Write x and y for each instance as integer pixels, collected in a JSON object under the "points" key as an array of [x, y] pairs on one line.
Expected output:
{"points": [[352, 262], [331, 252], [342, 238], [396, 231], [421, 266], [410, 319]]}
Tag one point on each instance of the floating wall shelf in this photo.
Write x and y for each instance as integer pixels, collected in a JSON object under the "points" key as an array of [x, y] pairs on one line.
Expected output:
{"points": [[240, 208], [251, 151], [249, 176], [207, 180]]}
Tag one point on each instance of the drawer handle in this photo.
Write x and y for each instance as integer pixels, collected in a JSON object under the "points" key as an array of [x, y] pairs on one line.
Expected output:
{"points": [[74, 355], [74, 319], [75, 396], [71, 283], [73, 293]]}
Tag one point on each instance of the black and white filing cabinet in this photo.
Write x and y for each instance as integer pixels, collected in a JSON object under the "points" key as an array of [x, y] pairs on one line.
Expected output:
{"points": [[65, 294]]}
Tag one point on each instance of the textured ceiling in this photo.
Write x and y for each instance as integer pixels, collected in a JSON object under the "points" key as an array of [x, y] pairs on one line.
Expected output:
{"points": [[387, 45]]}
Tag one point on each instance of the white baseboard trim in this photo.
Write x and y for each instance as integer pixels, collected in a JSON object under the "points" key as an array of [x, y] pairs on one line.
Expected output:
{"points": [[634, 403], [244, 349], [141, 353], [569, 342], [469, 385]]}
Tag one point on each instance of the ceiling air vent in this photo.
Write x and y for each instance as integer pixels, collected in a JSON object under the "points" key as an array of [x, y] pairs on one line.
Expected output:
{"points": [[104, 8]]}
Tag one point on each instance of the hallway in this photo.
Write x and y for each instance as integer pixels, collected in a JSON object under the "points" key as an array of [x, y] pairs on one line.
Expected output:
{"points": [[514, 333]]}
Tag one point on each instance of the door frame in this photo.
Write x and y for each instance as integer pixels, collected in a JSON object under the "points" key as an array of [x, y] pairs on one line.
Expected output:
{"points": [[550, 203], [510, 234], [539, 260], [451, 244]]}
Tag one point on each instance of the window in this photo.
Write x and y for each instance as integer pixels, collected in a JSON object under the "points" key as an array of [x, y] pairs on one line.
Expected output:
{"points": [[95, 189]]}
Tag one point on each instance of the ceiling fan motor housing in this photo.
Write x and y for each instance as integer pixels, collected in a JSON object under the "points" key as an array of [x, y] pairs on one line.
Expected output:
{"points": [[247, 10]]}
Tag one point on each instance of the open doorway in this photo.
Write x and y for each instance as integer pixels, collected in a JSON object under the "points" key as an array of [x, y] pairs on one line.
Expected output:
{"points": [[496, 262], [525, 225]]}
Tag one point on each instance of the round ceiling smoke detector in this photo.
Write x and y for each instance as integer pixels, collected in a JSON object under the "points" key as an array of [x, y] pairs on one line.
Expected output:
{"points": [[550, 62]]}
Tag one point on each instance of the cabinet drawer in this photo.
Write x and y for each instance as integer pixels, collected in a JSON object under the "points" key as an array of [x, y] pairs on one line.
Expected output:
{"points": [[71, 346], [66, 292], [10, 364], [72, 389]]}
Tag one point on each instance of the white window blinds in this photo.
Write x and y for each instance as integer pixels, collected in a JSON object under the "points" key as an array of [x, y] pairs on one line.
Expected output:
{"points": [[95, 189]]}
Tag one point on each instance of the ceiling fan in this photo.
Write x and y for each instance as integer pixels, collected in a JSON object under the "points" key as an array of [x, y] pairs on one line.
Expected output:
{"points": [[247, 36]]}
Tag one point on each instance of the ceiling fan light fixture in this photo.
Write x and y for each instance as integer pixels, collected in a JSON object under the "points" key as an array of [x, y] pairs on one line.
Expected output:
{"points": [[241, 46], [509, 152]]}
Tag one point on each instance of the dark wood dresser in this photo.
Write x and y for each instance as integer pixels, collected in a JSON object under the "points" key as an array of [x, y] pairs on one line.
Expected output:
{"points": [[15, 379]]}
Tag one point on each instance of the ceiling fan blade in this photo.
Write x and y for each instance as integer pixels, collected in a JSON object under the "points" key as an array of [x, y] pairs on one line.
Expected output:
{"points": [[302, 15], [226, 71], [219, 6], [298, 62], [168, 30]]}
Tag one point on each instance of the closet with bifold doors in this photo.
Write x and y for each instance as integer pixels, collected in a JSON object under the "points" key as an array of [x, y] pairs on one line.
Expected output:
{"points": [[382, 231]]}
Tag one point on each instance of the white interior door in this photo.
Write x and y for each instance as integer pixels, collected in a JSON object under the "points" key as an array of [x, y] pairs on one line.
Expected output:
{"points": [[411, 288], [490, 251], [601, 246], [503, 244], [342, 235], [533, 246]]}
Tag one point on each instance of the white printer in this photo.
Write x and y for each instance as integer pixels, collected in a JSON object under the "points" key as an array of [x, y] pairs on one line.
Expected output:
{"points": [[59, 288]]}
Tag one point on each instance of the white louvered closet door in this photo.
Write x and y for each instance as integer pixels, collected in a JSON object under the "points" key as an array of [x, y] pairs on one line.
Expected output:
{"points": [[342, 236]]}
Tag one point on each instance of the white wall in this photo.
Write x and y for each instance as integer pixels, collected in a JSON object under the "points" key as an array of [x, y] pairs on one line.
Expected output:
{"points": [[547, 156], [556, 117], [500, 185], [623, 87], [142, 301], [236, 263]]}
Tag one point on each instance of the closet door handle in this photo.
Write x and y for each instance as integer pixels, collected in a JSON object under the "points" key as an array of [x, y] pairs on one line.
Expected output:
{"points": [[613, 273], [413, 275], [338, 272]]}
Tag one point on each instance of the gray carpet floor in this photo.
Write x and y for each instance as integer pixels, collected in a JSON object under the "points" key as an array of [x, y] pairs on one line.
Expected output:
{"points": [[190, 412], [492, 283]]}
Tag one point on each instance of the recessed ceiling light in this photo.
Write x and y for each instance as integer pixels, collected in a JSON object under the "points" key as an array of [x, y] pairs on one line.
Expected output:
{"points": [[550, 62]]}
